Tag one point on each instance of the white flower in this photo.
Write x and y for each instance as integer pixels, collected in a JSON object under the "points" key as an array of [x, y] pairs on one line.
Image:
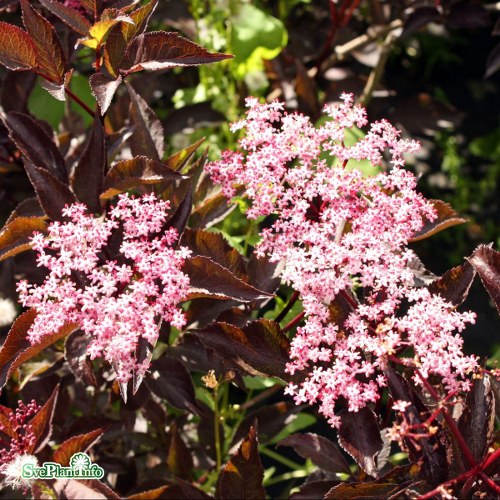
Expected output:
{"points": [[13, 472], [7, 312]]}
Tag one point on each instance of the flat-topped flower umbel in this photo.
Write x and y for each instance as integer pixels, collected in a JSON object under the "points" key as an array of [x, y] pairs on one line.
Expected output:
{"points": [[340, 230], [116, 302]]}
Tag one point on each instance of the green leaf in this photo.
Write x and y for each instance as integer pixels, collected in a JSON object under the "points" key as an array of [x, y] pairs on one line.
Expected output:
{"points": [[295, 424], [50, 58], [17, 49], [242, 476], [161, 50]]}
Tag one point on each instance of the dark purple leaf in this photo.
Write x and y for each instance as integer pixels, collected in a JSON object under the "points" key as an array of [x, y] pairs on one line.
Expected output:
{"points": [[88, 176], [242, 476], [41, 423], [264, 274], [477, 421], [120, 36], [15, 235], [17, 49], [30, 207], [16, 90], [52, 193], [210, 280], [17, 349], [359, 435], [430, 451], [160, 50], [419, 18], [35, 145], [312, 490], [148, 137], [127, 174], [493, 61], [68, 15], [372, 489], [446, 217], [75, 352], [179, 459], [421, 275], [486, 262], [216, 248], [90, 6], [468, 16], [179, 159], [104, 88], [76, 489], [259, 349], [319, 449], [76, 444], [170, 380], [180, 490], [180, 217], [271, 420], [211, 211], [455, 284], [50, 58]]}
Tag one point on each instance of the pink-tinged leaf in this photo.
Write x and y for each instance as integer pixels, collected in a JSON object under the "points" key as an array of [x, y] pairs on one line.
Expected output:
{"points": [[210, 280], [359, 435], [17, 49], [148, 138], [50, 58], [216, 248], [170, 380], [486, 261], [493, 61], [76, 444], [14, 237], [455, 284], [259, 349], [87, 178], [51, 192], [161, 50], [320, 450], [127, 174], [242, 476], [446, 217], [17, 349], [35, 145], [41, 423], [68, 15], [104, 88]]}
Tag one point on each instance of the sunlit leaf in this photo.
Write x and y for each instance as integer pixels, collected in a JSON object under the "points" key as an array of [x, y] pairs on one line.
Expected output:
{"points": [[15, 235], [17, 49], [76, 444], [455, 284], [104, 88]]}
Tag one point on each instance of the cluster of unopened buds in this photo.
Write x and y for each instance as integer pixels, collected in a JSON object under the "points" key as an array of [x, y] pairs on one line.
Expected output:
{"points": [[344, 235]]}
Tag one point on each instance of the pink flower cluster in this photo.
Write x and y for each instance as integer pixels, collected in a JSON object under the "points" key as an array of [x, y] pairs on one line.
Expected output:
{"points": [[344, 236], [116, 302]]}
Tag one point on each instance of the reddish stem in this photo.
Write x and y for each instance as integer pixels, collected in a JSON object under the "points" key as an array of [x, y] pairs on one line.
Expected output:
{"points": [[295, 321], [295, 295]]}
